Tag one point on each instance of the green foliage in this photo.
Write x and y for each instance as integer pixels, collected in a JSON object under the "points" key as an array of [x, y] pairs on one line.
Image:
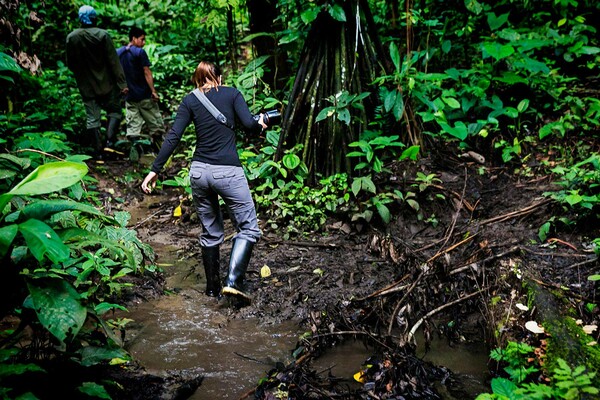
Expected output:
{"points": [[515, 355], [566, 383], [340, 108], [69, 258]]}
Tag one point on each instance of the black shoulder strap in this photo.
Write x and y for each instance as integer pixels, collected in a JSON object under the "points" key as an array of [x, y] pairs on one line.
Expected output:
{"points": [[211, 108]]}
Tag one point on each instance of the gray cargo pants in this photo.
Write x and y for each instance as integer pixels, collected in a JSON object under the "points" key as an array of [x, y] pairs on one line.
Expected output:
{"points": [[208, 182]]}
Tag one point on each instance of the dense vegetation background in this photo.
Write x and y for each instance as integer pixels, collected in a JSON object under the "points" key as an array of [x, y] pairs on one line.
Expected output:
{"points": [[360, 83]]}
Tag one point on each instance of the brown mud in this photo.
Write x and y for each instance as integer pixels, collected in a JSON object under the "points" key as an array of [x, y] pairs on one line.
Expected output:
{"points": [[457, 273]]}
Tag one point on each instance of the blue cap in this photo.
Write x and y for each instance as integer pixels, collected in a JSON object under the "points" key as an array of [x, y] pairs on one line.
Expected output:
{"points": [[86, 14]]}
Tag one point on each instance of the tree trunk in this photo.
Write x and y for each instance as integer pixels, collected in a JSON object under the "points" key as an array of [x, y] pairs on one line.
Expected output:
{"points": [[262, 15], [337, 56]]}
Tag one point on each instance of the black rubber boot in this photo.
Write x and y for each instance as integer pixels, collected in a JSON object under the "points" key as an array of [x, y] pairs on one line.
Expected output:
{"points": [[111, 132], [93, 139], [210, 259], [238, 263]]}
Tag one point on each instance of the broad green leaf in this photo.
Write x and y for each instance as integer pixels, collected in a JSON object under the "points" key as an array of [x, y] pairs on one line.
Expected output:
{"points": [[57, 305], [451, 102], [40, 209], [42, 240], [495, 22], [104, 307], [310, 15], [395, 56], [459, 131], [7, 63], [497, 50], [325, 113], [7, 370], [291, 161], [344, 116], [523, 105], [474, 6], [7, 235], [504, 387], [446, 46], [50, 177], [398, 107], [93, 389], [337, 12], [91, 355], [10, 160], [412, 152], [390, 100], [384, 212], [356, 185], [368, 185]]}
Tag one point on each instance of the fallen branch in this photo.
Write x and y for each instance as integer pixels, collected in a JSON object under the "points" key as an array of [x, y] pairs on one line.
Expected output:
{"points": [[397, 308], [449, 249], [485, 260], [580, 264], [517, 213], [416, 326], [142, 222], [385, 290]]}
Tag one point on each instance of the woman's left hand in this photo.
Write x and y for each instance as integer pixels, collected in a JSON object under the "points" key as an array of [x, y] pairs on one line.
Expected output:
{"points": [[149, 182]]}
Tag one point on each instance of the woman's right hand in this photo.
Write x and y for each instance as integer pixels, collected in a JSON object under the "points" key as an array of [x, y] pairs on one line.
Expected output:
{"points": [[261, 121], [149, 182]]}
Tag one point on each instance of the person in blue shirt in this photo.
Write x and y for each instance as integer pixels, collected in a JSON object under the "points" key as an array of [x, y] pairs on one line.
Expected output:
{"points": [[141, 103]]}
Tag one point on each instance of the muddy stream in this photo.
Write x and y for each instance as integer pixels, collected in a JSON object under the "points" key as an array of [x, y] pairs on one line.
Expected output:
{"points": [[187, 330]]}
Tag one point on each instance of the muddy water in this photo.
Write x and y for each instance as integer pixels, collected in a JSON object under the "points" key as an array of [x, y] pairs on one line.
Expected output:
{"points": [[467, 361], [186, 330]]}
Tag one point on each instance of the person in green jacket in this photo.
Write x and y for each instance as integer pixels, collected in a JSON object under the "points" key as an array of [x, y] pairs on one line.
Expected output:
{"points": [[92, 58]]}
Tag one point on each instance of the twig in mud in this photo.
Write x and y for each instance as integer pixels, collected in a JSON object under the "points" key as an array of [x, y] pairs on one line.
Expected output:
{"points": [[154, 214], [397, 308], [580, 264], [385, 290], [539, 253], [301, 244], [499, 255], [371, 335], [456, 214], [515, 214], [449, 249], [416, 326], [251, 358]]}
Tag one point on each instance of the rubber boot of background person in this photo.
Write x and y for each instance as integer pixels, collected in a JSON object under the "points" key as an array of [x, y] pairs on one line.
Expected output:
{"points": [[238, 263], [93, 139], [111, 131], [210, 260]]}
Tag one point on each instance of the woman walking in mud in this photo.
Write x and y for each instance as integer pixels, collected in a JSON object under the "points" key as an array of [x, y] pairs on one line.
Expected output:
{"points": [[216, 172]]}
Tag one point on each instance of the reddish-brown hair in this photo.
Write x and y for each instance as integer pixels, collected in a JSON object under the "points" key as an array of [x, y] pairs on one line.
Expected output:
{"points": [[206, 75]]}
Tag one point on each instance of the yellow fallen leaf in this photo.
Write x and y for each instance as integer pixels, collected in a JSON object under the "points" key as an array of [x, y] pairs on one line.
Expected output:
{"points": [[177, 211], [360, 377], [265, 271]]}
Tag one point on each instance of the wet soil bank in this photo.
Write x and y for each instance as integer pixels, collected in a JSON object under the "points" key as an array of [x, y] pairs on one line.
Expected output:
{"points": [[457, 275]]}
